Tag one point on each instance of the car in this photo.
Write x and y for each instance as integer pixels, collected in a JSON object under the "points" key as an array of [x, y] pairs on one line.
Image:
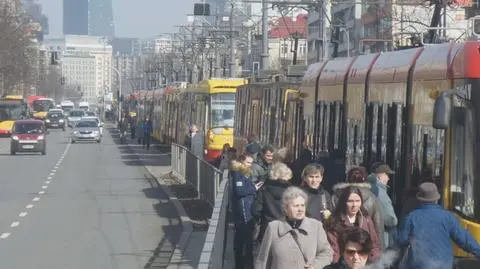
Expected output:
{"points": [[55, 119], [86, 130], [74, 116], [100, 124], [28, 136], [56, 110]]}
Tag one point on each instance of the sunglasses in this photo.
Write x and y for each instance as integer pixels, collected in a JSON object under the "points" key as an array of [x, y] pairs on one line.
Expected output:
{"points": [[352, 252]]}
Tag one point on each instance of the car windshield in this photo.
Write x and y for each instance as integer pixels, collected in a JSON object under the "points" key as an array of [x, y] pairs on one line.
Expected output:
{"points": [[28, 128], [77, 113], [86, 124], [55, 115], [89, 113]]}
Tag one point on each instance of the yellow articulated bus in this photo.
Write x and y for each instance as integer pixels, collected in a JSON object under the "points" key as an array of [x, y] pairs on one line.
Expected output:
{"points": [[219, 113], [209, 104], [272, 111], [41, 107], [12, 108]]}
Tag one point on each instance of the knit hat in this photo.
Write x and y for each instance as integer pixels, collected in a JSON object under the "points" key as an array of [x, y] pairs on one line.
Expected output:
{"points": [[428, 192]]}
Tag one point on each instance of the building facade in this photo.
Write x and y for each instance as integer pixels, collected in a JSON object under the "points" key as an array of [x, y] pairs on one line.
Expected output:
{"points": [[86, 17], [100, 19], [86, 64], [75, 17]]}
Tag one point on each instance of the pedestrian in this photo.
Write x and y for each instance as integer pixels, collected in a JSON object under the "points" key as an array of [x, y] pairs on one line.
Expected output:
{"points": [[294, 241], [243, 192], [349, 212], [319, 205], [427, 233], [147, 133]]}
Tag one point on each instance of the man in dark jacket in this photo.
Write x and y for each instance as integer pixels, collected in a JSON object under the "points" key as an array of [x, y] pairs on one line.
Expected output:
{"points": [[262, 164], [427, 233], [253, 147]]}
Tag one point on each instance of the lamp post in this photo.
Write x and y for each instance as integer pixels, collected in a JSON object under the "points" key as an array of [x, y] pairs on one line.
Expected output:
{"points": [[119, 92]]}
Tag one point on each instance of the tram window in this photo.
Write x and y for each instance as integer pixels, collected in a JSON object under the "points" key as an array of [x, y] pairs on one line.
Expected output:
{"points": [[463, 161]]}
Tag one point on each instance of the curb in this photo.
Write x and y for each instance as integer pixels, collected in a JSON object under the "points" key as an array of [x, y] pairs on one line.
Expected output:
{"points": [[185, 221]]}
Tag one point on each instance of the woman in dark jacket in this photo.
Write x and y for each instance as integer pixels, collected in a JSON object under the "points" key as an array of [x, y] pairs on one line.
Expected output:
{"points": [[243, 192], [267, 205], [356, 178], [349, 213], [319, 205]]}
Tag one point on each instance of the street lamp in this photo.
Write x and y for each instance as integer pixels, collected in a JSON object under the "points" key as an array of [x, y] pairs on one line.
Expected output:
{"points": [[119, 92]]}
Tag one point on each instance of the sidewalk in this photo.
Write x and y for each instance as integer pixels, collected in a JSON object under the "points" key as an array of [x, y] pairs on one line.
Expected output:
{"points": [[193, 213]]}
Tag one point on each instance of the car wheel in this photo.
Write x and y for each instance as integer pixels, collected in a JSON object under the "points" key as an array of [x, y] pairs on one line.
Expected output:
{"points": [[99, 140], [73, 141], [12, 152], [44, 152]]}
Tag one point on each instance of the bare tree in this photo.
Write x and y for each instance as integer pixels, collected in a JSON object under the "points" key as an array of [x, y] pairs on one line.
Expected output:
{"points": [[18, 55]]}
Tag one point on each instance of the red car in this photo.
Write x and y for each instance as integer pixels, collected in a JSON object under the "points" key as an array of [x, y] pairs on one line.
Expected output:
{"points": [[28, 136]]}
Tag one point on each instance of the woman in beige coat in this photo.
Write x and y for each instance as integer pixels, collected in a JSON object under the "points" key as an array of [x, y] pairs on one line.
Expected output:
{"points": [[296, 242]]}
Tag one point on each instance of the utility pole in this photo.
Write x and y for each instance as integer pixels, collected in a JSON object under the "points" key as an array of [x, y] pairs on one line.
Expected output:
{"points": [[233, 44], [264, 55]]}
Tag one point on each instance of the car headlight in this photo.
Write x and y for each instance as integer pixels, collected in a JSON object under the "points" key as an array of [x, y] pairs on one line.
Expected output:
{"points": [[47, 120], [61, 120], [40, 137], [15, 137], [75, 132]]}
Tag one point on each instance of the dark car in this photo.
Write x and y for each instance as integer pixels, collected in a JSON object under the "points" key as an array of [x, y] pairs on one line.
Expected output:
{"points": [[28, 136], [55, 119]]}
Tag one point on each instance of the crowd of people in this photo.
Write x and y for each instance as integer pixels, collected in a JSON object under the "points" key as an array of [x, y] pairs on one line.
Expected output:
{"points": [[285, 216]]}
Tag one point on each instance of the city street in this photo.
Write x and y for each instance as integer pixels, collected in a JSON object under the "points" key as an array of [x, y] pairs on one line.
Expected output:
{"points": [[81, 206]]}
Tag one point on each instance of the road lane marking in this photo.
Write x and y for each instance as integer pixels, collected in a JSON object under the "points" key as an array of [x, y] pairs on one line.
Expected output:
{"points": [[4, 235], [37, 198]]}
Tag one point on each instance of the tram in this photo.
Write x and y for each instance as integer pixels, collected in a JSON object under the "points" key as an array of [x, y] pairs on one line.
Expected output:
{"points": [[417, 109]]}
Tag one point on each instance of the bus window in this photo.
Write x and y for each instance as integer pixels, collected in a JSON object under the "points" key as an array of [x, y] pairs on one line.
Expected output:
{"points": [[222, 110]]}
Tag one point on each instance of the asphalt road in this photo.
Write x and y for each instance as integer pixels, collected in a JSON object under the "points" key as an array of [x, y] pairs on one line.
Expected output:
{"points": [[81, 206]]}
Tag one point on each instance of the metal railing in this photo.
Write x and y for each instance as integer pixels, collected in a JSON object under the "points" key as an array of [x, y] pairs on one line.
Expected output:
{"points": [[196, 172], [212, 186], [215, 246]]}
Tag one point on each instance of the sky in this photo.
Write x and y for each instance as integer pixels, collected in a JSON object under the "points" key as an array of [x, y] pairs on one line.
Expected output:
{"points": [[132, 18]]}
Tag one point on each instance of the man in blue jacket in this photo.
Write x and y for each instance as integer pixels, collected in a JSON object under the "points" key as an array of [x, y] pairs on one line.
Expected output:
{"points": [[427, 233]]}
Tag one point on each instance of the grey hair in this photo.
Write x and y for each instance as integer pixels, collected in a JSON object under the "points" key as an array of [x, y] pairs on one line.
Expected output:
{"points": [[280, 171], [292, 193]]}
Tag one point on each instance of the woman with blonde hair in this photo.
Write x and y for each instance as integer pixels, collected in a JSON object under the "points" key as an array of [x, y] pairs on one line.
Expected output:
{"points": [[294, 241], [267, 205]]}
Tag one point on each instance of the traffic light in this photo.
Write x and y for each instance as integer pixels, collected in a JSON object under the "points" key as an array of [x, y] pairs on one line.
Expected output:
{"points": [[201, 9], [54, 58]]}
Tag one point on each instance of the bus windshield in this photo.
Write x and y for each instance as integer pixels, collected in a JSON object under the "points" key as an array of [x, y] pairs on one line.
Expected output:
{"points": [[67, 108], [222, 110], [43, 105], [11, 110]]}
